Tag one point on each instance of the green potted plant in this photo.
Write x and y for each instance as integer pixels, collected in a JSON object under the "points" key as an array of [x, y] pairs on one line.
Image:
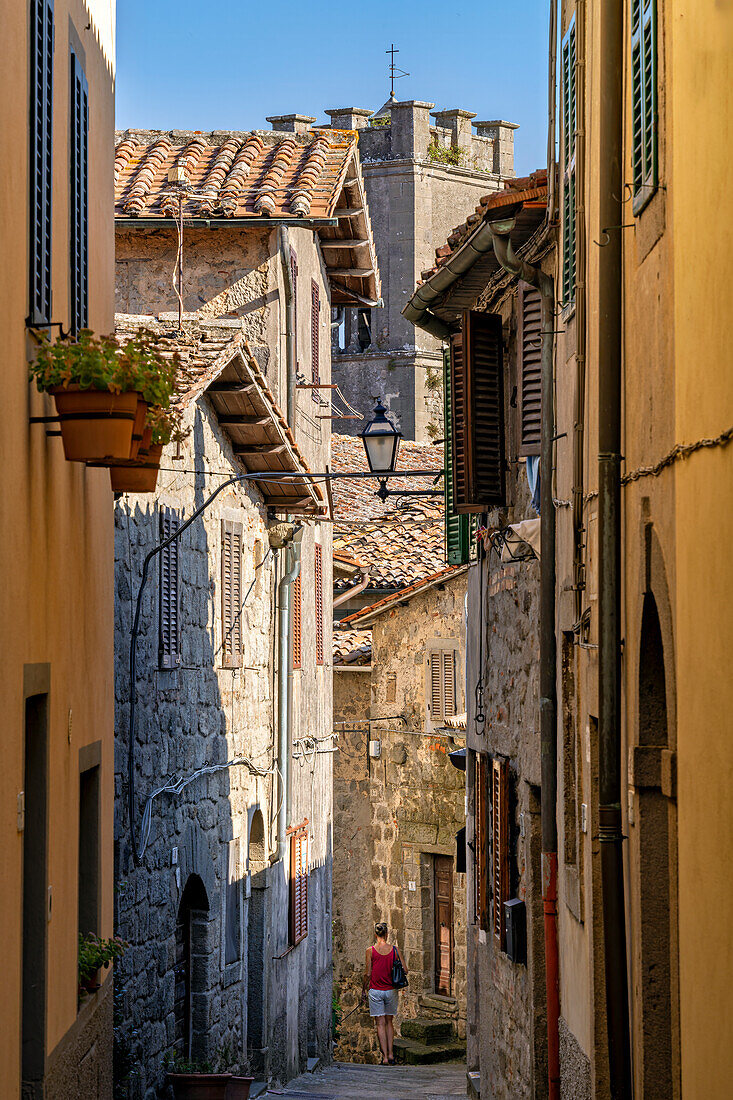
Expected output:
{"points": [[102, 390], [95, 953]]}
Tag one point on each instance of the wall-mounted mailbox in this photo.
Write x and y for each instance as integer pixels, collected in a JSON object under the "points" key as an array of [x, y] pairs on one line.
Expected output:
{"points": [[515, 916]]}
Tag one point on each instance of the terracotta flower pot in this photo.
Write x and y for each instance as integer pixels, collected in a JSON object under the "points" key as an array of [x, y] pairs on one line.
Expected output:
{"points": [[96, 425], [200, 1086], [140, 476], [238, 1088], [138, 427]]}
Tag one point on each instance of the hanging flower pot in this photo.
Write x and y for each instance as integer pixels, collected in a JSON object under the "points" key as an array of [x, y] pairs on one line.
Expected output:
{"points": [[138, 427], [140, 476], [95, 424], [200, 1086]]}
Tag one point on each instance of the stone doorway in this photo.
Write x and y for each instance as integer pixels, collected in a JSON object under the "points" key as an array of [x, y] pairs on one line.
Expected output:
{"points": [[192, 971], [256, 945], [443, 924]]}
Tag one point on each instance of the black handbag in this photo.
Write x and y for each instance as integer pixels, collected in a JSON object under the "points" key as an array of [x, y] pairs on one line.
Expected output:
{"points": [[399, 974]]}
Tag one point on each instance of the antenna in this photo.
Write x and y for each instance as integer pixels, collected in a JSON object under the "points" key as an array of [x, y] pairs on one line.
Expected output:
{"points": [[394, 72]]}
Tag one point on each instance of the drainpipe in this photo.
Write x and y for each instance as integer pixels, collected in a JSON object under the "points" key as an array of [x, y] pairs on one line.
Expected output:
{"points": [[610, 191], [284, 686], [355, 590], [283, 238], [548, 648]]}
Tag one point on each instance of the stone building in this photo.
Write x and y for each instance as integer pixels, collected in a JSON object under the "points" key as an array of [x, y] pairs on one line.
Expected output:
{"points": [[57, 81], [422, 177], [228, 908]]}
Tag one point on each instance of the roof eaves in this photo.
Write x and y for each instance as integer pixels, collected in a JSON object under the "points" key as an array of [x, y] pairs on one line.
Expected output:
{"points": [[373, 611]]}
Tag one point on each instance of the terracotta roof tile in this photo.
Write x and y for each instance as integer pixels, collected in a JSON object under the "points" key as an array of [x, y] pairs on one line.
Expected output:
{"points": [[395, 598], [351, 647]]}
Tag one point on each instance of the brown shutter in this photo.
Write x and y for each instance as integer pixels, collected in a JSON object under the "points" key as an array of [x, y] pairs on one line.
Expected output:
{"points": [[477, 380], [169, 633], [294, 278], [530, 367], [231, 593], [436, 700], [481, 834], [315, 332], [297, 637], [298, 885], [449, 682], [319, 605], [500, 846]]}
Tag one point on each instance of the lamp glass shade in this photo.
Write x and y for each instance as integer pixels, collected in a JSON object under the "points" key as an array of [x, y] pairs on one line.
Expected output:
{"points": [[381, 442]]}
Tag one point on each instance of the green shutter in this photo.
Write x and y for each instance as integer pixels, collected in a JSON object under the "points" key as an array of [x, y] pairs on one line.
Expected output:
{"points": [[644, 100], [460, 531]]}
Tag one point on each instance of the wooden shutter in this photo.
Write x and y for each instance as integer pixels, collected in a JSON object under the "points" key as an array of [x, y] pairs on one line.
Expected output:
{"points": [[231, 593], [78, 216], [298, 885], [41, 159], [169, 629], [448, 676], [436, 695], [294, 278], [319, 604], [530, 369], [644, 100], [499, 847], [569, 124], [454, 524], [481, 845], [477, 413], [296, 624], [315, 332]]}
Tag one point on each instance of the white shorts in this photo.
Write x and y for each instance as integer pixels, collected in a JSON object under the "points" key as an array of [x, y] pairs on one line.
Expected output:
{"points": [[382, 1002]]}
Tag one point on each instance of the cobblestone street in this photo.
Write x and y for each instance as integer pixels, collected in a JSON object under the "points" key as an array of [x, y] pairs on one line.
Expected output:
{"points": [[356, 1082]]}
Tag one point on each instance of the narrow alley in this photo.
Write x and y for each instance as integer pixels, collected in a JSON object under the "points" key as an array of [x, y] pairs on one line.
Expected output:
{"points": [[349, 1081]]}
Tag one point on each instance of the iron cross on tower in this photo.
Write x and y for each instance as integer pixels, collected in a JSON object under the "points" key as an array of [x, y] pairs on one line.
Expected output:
{"points": [[394, 72]]}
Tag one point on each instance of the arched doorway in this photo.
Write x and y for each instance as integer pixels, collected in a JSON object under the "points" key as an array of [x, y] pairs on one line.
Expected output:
{"points": [[657, 871], [192, 985], [256, 943]]}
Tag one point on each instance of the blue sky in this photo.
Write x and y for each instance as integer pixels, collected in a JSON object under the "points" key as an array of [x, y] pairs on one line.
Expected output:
{"points": [[227, 64]]}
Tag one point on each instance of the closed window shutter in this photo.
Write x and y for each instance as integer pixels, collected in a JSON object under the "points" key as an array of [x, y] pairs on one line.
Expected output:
{"points": [[442, 671], [454, 524], [500, 847], [569, 127], [296, 624], [298, 886], [231, 593], [319, 605], [481, 846], [436, 695], [644, 100], [449, 682], [169, 632], [530, 352], [315, 332], [78, 170], [294, 277], [477, 413], [41, 159]]}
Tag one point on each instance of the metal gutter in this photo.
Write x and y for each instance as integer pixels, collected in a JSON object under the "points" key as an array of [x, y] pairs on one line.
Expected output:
{"points": [[284, 693], [355, 590], [217, 223]]}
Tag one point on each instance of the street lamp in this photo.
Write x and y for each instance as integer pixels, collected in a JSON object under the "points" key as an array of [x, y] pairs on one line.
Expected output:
{"points": [[381, 442]]}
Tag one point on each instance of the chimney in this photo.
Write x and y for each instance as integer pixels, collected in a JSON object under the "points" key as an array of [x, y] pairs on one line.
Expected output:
{"points": [[502, 135], [459, 124], [293, 124], [411, 128], [348, 118]]}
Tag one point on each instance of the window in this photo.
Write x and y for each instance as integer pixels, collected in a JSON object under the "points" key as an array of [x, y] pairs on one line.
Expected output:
{"points": [[315, 333], [299, 883], [231, 593], [319, 604], [294, 279], [644, 100], [481, 842], [364, 328], [477, 413], [88, 886], [460, 531], [499, 847], [530, 370], [233, 904], [169, 627], [78, 217], [41, 161], [442, 664], [296, 623], [568, 147]]}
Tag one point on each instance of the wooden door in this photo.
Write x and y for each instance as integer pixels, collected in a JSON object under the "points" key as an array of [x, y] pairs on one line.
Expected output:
{"points": [[443, 894]]}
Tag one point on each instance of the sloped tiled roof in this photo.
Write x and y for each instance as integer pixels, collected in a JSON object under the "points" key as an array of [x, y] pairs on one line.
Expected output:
{"points": [[351, 647], [401, 540], [367, 614]]}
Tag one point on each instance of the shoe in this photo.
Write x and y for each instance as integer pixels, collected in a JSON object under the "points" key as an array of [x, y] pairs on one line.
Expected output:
{"points": [[391, 1062]]}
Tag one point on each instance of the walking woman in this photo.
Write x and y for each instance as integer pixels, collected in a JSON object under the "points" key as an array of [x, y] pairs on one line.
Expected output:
{"points": [[382, 993]]}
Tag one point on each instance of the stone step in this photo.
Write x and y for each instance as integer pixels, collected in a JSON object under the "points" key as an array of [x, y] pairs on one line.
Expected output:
{"points": [[435, 1004], [412, 1053], [428, 1031]]}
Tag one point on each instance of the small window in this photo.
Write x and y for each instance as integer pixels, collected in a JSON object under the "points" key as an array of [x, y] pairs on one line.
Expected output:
{"points": [[41, 159], [644, 100], [442, 668], [169, 627], [296, 623], [233, 923], [319, 604], [391, 687], [78, 212], [299, 884], [364, 328], [499, 847], [88, 887], [231, 593]]}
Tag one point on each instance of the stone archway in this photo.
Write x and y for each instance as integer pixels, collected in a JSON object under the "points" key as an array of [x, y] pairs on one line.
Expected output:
{"points": [[192, 979], [256, 943]]}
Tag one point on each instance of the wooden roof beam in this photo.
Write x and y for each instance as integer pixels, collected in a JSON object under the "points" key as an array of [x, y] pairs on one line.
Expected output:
{"points": [[348, 212], [345, 242], [353, 272], [260, 449]]}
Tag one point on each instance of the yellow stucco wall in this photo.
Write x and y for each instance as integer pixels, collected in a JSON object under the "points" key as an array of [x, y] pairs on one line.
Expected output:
{"points": [[56, 553], [702, 119]]}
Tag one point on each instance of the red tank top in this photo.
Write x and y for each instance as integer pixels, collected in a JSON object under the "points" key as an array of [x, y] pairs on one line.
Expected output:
{"points": [[381, 970]]}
